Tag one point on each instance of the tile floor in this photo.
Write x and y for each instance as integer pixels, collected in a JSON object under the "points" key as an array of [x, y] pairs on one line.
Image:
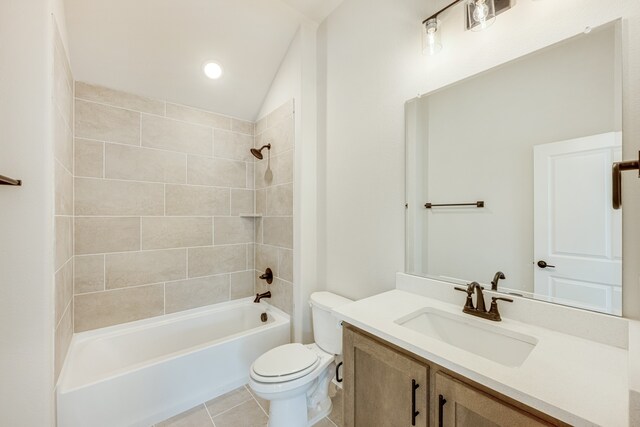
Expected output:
{"points": [[241, 408]]}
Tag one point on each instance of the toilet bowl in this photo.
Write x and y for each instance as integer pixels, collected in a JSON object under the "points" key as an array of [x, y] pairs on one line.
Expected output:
{"points": [[294, 377]]}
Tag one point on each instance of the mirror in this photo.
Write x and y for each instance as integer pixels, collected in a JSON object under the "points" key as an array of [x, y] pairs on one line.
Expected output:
{"points": [[520, 156]]}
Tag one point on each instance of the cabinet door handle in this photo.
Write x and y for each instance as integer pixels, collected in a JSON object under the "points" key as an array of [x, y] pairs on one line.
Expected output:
{"points": [[441, 402], [414, 413]]}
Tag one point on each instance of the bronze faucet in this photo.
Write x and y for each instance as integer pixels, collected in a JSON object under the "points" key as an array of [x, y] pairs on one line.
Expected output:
{"points": [[480, 310], [260, 296]]}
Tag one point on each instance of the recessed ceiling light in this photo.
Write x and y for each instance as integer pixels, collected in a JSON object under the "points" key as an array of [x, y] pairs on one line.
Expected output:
{"points": [[213, 70]]}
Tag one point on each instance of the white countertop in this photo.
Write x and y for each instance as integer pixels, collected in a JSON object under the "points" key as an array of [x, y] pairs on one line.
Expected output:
{"points": [[581, 382]]}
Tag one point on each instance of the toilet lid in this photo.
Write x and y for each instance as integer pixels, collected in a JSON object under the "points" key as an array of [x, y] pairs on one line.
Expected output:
{"points": [[284, 360]]}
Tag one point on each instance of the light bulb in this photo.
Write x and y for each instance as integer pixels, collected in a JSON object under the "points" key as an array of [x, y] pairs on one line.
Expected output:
{"points": [[213, 70], [431, 37], [480, 14]]}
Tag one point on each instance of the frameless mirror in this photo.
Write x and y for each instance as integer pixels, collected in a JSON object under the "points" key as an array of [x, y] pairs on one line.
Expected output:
{"points": [[509, 172]]}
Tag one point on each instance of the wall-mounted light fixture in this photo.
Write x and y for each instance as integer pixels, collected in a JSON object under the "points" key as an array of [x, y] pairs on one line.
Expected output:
{"points": [[479, 14]]}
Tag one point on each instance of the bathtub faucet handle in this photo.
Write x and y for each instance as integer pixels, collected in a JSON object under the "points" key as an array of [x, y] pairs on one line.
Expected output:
{"points": [[263, 295]]}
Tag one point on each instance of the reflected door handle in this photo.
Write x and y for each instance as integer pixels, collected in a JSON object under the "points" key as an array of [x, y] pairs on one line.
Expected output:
{"points": [[616, 178], [543, 264]]}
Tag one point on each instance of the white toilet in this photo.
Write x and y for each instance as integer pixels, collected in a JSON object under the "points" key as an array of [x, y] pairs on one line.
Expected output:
{"points": [[294, 377]]}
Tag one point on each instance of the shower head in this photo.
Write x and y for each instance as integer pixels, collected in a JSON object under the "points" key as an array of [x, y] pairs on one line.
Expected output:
{"points": [[258, 153]]}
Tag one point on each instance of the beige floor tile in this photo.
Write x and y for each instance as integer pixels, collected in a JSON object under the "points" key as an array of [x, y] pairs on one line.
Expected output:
{"points": [[247, 414], [196, 417], [336, 411], [262, 402], [325, 422], [228, 401]]}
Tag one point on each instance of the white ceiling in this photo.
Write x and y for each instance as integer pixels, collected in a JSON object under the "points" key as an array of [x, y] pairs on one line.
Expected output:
{"points": [[156, 48]]}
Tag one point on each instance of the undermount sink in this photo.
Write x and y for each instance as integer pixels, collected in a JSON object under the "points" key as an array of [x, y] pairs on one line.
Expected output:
{"points": [[485, 340]]}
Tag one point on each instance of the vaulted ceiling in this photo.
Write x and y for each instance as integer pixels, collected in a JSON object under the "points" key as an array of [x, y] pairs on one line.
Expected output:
{"points": [[157, 48]]}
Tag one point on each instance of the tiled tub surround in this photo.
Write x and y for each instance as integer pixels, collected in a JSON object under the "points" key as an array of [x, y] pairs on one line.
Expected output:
{"points": [[63, 189], [274, 201], [159, 189]]}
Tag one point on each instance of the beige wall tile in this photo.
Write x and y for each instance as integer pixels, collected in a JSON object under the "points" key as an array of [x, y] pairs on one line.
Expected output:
{"points": [[283, 165], [231, 145], [104, 123], [185, 200], [63, 190], [285, 264], [63, 240], [200, 117], [144, 164], [63, 141], [192, 293], [241, 201], [260, 126], [261, 201], [242, 284], [217, 260], [116, 98], [242, 126], [64, 289], [176, 232], [282, 295], [230, 230], [100, 235], [102, 309], [89, 273], [250, 175], [267, 257], [259, 231], [106, 197], [216, 172], [264, 173], [63, 335], [141, 268], [279, 114], [89, 158], [280, 200], [161, 132], [278, 231], [251, 252], [281, 137]]}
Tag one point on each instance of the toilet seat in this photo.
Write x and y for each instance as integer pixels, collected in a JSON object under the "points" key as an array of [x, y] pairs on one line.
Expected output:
{"points": [[284, 363]]}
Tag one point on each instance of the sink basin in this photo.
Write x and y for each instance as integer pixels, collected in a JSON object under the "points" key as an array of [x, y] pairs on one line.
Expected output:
{"points": [[467, 333]]}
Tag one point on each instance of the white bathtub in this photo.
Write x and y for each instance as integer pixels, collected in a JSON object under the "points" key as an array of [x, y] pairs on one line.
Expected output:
{"points": [[143, 372]]}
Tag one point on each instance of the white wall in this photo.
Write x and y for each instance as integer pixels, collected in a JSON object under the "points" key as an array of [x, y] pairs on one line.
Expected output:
{"points": [[370, 64], [26, 213], [296, 79]]}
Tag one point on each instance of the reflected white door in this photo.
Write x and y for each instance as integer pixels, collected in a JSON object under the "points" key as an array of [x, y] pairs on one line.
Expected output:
{"points": [[576, 230]]}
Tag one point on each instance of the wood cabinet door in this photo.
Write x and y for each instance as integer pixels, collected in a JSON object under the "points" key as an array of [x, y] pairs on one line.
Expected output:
{"points": [[383, 388], [460, 405]]}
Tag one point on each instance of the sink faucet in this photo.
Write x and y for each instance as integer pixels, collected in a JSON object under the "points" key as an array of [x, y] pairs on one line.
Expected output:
{"points": [[263, 295], [480, 310], [496, 278]]}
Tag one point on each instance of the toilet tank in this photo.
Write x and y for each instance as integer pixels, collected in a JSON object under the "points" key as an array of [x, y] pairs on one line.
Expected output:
{"points": [[327, 331]]}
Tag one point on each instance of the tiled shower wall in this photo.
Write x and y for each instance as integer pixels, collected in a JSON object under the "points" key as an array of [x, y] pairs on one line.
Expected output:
{"points": [[159, 193], [62, 100], [274, 200]]}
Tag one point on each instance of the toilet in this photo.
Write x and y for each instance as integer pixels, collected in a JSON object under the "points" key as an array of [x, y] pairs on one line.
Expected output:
{"points": [[295, 378]]}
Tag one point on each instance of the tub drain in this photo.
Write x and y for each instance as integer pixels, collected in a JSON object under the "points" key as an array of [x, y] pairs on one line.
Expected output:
{"points": [[263, 317]]}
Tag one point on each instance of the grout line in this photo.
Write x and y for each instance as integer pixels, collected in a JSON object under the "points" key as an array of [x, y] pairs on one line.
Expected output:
{"points": [[257, 403], [209, 413], [104, 268]]}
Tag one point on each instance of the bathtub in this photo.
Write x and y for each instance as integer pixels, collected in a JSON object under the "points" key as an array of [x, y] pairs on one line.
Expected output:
{"points": [[139, 373]]}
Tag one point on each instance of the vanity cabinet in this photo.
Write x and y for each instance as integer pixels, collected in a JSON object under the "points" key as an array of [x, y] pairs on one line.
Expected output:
{"points": [[382, 387], [379, 390]]}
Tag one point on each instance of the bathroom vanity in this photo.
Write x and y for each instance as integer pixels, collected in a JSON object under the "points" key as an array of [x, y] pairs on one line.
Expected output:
{"points": [[412, 351], [385, 383]]}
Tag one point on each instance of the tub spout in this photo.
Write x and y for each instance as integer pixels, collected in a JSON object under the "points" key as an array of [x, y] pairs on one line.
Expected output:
{"points": [[260, 296]]}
